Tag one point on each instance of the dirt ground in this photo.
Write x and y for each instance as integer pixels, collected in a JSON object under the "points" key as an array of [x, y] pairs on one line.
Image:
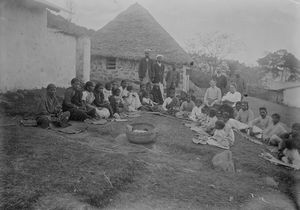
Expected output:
{"points": [[100, 169]]}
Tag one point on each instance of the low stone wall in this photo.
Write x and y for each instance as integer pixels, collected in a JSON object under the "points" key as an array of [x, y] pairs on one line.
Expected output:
{"points": [[125, 69]]}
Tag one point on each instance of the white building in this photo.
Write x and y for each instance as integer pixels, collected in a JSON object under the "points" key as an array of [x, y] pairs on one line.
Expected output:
{"points": [[31, 54]]}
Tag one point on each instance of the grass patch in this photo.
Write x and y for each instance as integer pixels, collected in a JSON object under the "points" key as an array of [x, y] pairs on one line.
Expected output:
{"points": [[36, 165]]}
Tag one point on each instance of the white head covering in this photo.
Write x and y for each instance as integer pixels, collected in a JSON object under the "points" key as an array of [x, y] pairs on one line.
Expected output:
{"points": [[159, 56]]}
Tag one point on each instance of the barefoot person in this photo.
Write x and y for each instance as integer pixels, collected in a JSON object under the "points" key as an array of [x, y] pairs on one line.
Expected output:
{"points": [[73, 103], [50, 110]]}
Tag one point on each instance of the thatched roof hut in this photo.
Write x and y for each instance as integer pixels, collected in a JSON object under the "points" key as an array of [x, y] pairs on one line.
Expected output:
{"points": [[133, 31]]}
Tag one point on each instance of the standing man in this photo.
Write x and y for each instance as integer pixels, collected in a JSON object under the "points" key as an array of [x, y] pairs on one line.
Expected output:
{"points": [[158, 79], [172, 80], [145, 68], [221, 81], [241, 85]]}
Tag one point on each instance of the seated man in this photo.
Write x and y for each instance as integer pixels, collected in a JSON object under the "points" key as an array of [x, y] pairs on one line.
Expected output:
{"points": [[272, 133], [50, 111], [212, 95], [186, 108], [232, 97], [258, 125], [132, 100], [73, 103], [245, 115], [171, 103]]}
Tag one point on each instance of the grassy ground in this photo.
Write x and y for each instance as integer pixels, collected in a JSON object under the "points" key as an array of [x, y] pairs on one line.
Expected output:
{"points": [[100, 169]]}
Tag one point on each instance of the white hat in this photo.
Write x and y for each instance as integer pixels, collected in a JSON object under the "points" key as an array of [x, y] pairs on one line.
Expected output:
{"points": [[161, 56]]}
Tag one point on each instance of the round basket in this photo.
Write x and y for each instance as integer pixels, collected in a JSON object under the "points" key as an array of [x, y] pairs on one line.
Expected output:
{"points": [[144, 137]]}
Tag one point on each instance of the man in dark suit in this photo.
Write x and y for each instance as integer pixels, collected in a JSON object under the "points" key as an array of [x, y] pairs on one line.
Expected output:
{"points": [[145, 68], [221, 81], [158, 79]]}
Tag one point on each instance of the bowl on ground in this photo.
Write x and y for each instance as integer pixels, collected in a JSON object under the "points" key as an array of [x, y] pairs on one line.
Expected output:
{"points": [[141, 133]]}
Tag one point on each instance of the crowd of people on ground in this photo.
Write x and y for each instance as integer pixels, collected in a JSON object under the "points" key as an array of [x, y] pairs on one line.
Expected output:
{"points": [[217, 114]]}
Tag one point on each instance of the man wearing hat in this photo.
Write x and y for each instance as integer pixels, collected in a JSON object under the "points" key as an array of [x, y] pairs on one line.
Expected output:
{"points": [[145, 68], [158, 78]]}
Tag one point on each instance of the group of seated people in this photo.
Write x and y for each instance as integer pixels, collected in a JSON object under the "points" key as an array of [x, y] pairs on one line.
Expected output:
{"points": [[216, 115]]}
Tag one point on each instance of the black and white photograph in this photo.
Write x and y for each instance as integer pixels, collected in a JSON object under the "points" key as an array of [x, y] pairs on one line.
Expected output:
{"points": [[150, 104]]}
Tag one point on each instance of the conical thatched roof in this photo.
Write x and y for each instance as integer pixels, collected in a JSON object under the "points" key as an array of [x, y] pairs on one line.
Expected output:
{"points": [[133, 31]]}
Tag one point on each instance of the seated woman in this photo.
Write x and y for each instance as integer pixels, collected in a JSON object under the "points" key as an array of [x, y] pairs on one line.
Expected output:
{"points": [[88, 99], [245, 115], [185, 108], [142, 92], [123, 88], [232, 97], [132, 100], [171, 104], [197, 114], [99, 99], [148, 104], [73, 103], [50, 111], [116, 103]]}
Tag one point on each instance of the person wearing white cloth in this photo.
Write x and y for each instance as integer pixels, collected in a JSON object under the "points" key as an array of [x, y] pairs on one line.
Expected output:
{"points": [[197, 114], [132, 100], [232, 96], [259, 124]]}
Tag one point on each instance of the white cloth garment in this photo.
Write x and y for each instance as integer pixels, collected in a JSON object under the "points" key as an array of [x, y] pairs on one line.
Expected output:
{"points": [[232, 97]]}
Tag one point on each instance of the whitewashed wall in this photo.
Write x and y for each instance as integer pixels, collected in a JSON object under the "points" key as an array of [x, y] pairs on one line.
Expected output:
{"points": [[31, 55], [291, 97]]}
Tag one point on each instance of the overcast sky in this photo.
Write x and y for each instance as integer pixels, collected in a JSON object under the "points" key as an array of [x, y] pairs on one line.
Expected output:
{"points": [[262, 25]]}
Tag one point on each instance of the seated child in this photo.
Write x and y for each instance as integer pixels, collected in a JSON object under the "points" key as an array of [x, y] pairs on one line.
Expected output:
{"points": [[116, 103], [132, 100], [185, 108], [171, 103], [123, 88], [197, 114], [88, 98], [209, 124], [114, 85], [50, 111], [99, 101], [107, 91], [291, 153], [142, 91], [73, 103], [221, 136]]}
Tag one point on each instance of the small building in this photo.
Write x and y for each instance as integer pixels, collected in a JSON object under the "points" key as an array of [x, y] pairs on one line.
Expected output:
{"points": [[33, 55], [287, 93], [119, 45]]}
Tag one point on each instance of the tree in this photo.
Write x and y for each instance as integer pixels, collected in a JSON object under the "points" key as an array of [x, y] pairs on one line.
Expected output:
{"points": [[281, 64], [211, 49]]}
